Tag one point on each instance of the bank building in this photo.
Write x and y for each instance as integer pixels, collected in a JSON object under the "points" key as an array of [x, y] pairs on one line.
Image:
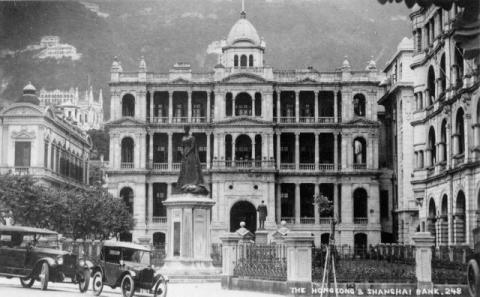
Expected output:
{"points": [[282, 136]]}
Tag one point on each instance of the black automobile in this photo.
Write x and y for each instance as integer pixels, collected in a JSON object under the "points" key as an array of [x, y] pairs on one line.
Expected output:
{"points": [[473, 270], [127, 265], [31, 255]]}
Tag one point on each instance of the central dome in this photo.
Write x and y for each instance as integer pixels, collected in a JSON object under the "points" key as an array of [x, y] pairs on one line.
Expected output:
{"points": [[243, 31]]}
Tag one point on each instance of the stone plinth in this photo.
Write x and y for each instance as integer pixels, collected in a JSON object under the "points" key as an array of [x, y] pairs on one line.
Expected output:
{"points": [[188, 235], [279, 235], [261, 237], [424, 242], [299, 256]]}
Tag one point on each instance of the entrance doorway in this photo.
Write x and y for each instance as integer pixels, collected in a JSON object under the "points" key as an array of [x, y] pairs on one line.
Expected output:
{"points": [[246, 212]]}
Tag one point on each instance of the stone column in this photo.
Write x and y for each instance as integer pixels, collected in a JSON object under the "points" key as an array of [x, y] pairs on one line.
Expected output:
{"points": [[170, 107], [170, 153], [315, 207], [270, 147], [299, 257], [279, 135], [151, 135], [209, 133], [152, 96], [253, 147], [234, 140], [317, 153], [278, 203], [476, 134], [316, 107], [297, 106], [297, 203], [297, 150], [150, 204], [233, 104], [335, 151], [209, 109], [253, 104], [229, 257], [335, 201], [423, 242], [278, 107], [189, 106]]}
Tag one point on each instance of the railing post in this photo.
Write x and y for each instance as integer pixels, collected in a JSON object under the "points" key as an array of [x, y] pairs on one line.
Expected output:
{"points": [[424, 242], [229, 257], [299, 258]]}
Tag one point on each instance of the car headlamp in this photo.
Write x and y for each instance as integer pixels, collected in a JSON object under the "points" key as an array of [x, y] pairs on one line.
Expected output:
{"points": [[60, 260]]}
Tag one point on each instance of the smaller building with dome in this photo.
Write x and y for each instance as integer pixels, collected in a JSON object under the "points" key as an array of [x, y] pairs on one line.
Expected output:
{"points": [[35, 140]]}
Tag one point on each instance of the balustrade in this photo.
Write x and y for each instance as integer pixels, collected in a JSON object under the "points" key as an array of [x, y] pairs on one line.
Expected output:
{"points": [[307, 220], [360, 221], [359, 166], [288, 220], [307, 166], [160, 166], [126, 165], [159, 220]]}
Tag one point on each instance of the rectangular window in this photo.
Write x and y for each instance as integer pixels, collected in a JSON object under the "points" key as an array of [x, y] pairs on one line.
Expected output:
{"points": [[22, 153]]}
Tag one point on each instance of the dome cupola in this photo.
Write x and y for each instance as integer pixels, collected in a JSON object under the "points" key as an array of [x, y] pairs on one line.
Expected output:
{"points": [[29, 95]]}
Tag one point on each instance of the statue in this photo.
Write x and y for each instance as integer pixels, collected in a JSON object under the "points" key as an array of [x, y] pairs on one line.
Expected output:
{"points": [[191, 178], [262, 215]]}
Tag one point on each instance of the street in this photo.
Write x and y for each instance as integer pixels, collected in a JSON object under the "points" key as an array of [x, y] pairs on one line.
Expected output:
{"points": [[12, 288]]}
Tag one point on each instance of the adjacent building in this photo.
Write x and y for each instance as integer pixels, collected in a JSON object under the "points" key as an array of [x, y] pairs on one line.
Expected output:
{"points": [[282, 136], [80, 108], [35, 141]]}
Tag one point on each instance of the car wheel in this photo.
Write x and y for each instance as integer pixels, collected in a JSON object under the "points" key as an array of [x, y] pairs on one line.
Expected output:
{"points": [[44, 275], [27, 282], [83, 280], [97, 285], [127, 286], [473, 278], [160, 288]]}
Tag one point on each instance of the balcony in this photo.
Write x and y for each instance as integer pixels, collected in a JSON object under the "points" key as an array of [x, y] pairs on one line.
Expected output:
{"points": [[287, 166], [307, 120], [307, 220], [160, 166], [158, 120], [199, 120], [288, 220], [176, 166], [359, 166], [326, 167], [307, 166], [159, 220], [244, 164], [326, 120], [360, 221], [325, 221], [126, 165], [180, 120], [287, 120]]}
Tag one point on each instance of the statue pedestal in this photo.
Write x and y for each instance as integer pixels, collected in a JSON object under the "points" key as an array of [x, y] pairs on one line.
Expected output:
{"points": [[261, 237], [188, 235]]}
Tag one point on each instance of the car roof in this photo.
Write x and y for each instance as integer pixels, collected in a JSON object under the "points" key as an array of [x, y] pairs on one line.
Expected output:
{"points": [[128, 245], [26, 230]]}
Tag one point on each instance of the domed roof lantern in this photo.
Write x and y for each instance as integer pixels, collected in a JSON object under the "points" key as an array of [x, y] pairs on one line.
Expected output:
{"points": [[346, 64], [372, 65], [243, 31], [143, 65], [29, 95]]}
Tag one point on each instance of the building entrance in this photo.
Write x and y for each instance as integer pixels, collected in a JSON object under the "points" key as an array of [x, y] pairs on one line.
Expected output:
{"points": [[243, 211]]}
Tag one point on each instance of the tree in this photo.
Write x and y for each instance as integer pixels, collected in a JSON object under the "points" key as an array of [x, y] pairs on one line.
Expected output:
{"points": [[325, 206], [101, 143]]}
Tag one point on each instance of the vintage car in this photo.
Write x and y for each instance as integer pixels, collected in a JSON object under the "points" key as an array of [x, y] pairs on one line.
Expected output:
{"points": [[32, 255], [473, 270], [127, 265]]}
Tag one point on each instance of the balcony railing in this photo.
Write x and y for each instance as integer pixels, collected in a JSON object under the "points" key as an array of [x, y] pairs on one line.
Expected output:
{"points": [[126, 165], [160, 166], [359, 166], [159, 220], [326, 120], [360, 221], [21, 170], [307, 119], [287, 119], [244, 164], [325, 221], [159, 120], [288, 220], [307, 166], [176, 166], [199, 119], [287, 166], [307, 220], [180, 120], [326, 167]]}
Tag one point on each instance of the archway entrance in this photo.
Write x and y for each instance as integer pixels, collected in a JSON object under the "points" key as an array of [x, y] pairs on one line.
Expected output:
{"points": [[360, 244], [246, 212]]}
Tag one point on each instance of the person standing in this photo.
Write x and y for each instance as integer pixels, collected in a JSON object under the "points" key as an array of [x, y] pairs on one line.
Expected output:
{"points": [[262, 215]]}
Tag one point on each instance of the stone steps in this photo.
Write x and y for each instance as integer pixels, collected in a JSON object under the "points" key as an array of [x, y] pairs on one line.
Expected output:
{"points": [[194, 278]]}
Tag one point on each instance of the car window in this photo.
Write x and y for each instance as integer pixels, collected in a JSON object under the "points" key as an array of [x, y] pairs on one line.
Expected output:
{"points": [[5, 240], [136, 256], [112, 255]]}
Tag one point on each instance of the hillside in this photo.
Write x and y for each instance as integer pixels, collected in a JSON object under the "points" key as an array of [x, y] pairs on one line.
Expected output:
{"points": [[298, 33]]}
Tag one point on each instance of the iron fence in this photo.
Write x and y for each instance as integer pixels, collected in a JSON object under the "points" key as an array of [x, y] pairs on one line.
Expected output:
{"points": [[381, 263], [267, 262], [449, 264]]}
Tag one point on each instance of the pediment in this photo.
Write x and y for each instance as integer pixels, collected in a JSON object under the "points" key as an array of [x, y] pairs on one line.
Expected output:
{"points": [[307, 80], [126, 121], [180, 81], [22, 109], [23, 134], [243, 121], [244, 78]]}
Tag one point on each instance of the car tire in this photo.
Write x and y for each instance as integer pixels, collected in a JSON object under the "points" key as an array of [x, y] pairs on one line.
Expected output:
{"points": [[160, 289], [473, 278], [127, 286], [83, 280], [44, 276], [97, 284], [27, 282]]}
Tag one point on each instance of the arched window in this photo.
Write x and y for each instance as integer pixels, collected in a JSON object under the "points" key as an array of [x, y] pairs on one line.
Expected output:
{"points": [[250, 61], [360, 244], [459, 221], [243, 61], [127, 197], [243, 104], [228, 105], [360, 206], [431, 146], [228, 149], [258, 104], [243, 148], [443, 79], [235, 61], [431, 85], [359, 151], [432, 213], [460, 132], [127, 153], [359, 105], [458, 66], [128, 106], [443, 141]]}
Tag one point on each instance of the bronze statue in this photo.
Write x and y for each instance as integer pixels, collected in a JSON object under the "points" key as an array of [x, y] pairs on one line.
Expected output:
{"points": [[191, 178], [262, 215]]}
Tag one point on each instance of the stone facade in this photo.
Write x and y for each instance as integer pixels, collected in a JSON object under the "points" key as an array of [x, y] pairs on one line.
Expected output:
{"points": [[263, 134], [34, 140]]}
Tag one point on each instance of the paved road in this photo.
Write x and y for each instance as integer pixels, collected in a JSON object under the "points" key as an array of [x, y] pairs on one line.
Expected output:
{"points": [[12, 287]]}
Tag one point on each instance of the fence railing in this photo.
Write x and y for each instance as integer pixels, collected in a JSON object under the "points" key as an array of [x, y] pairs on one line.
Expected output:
{"points": [[449, 264], [382, 263], [267, 262]]}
